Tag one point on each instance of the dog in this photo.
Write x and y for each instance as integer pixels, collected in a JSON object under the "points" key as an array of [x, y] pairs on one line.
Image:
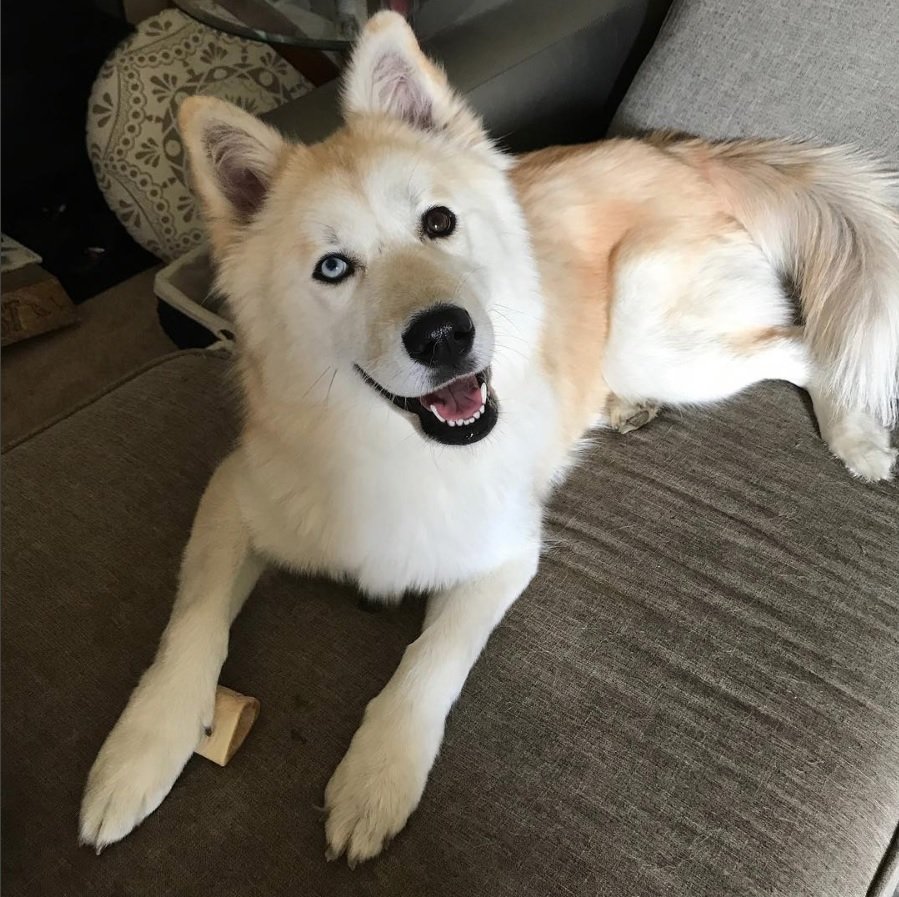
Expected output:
{"points": [[428, 328]]}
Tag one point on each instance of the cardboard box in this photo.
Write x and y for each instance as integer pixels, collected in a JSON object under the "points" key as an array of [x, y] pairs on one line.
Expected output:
{"points": [[33, 302]]}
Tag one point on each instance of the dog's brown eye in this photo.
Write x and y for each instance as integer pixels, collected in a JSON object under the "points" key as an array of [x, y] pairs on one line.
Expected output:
{"points": [[438, 222]]}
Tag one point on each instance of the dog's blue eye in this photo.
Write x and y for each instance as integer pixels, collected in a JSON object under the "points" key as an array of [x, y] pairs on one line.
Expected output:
{"points": [[333, 268]]}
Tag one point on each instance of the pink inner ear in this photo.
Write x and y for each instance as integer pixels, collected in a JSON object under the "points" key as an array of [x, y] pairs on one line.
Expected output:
{"points": [[244, 188], [231, 155], [400, 91]]}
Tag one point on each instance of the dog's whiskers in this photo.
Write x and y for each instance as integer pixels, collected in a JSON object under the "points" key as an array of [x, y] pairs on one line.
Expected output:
{"points": [[514, 349], [316, 381], [330, 385]]}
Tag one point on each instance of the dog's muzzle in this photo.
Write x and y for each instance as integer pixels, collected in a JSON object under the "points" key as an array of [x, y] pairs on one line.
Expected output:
{"points": [[461, 409]]}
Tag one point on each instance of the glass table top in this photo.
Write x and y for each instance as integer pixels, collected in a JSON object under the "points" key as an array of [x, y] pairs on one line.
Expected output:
{"points": [[321, 24]]}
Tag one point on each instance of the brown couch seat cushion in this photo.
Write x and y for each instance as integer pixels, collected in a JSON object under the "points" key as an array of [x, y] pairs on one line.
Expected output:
{"points": [[697, 696]]}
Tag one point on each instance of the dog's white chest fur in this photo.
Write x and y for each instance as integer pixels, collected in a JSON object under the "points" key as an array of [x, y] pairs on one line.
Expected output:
{"points": [[390, 510]]}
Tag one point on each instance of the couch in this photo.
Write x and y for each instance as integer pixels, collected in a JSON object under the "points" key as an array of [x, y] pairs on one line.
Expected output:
{"points": [[698, 695]]}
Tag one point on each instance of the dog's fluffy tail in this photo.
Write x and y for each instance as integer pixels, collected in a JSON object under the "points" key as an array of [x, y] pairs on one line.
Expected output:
{"points": [[826, 218]]}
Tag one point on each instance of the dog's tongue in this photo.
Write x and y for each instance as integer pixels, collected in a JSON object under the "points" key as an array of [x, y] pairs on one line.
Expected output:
{"points": [[458, 400]]}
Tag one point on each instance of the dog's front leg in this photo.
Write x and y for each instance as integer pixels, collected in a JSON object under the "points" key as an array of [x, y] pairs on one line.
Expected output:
{"points": [[172, 706], [381, 778]]}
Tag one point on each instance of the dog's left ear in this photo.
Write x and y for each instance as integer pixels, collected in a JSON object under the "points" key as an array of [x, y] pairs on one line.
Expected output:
{"points": [[390, 76]]}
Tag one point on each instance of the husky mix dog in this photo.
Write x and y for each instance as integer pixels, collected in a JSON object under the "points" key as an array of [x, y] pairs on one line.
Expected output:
{"points": [[415, 307]]}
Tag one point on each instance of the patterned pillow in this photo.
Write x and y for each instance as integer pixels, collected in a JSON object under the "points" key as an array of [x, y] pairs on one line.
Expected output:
{"points": [[132, 132]]}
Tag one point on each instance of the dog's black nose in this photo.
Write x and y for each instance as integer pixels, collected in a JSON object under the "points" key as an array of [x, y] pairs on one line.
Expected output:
{"points": [[440, 336]]}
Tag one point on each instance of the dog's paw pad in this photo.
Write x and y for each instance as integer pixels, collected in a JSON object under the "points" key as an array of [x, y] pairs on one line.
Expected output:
{"points": [[625, 417]]}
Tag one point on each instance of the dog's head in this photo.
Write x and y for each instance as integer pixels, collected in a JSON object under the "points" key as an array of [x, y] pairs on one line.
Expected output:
{"points": [[393, 253]]}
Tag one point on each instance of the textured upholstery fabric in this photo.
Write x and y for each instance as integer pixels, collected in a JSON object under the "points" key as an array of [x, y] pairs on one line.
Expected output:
{"points": [[132, 130], [826, 69], [819, 69], [697, 695]]}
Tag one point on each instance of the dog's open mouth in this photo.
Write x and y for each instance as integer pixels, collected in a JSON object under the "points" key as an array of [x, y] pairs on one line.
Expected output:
{"points": [[458, 413]]}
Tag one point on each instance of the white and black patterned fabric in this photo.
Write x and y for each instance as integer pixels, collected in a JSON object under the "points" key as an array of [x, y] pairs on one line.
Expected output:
{"points": [[132, 132]]}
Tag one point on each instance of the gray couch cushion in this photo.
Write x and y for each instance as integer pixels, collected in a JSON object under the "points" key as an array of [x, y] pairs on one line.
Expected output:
{"points": [[827, 69], [697, 696]]}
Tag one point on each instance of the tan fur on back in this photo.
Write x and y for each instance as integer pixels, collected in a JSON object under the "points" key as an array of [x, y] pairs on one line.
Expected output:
{"points": [[585, 206]]}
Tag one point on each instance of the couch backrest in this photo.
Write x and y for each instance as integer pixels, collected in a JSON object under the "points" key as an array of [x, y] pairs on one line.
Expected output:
{"points": [[823, 69]]}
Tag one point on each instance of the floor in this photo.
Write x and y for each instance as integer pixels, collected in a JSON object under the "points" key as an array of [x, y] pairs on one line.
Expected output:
{"points": [[51, 374]]}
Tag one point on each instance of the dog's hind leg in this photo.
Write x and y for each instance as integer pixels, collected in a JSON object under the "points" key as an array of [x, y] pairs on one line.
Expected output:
{"points": [[854, 437], [695, 319], [693, 323], [627, 416], [172, 706]]}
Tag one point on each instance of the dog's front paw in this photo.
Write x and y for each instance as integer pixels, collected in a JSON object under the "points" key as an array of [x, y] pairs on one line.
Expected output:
{"points": [[376, 787], [133, 772]]}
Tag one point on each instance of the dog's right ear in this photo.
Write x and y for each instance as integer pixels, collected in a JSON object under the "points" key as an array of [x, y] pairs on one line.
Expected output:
{"points": [[233, 158]]}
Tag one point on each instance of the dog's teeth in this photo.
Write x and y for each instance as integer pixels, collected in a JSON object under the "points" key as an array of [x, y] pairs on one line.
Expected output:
{"points": [[483, 394], [452, 423], [476, 415], [436, 414]]}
